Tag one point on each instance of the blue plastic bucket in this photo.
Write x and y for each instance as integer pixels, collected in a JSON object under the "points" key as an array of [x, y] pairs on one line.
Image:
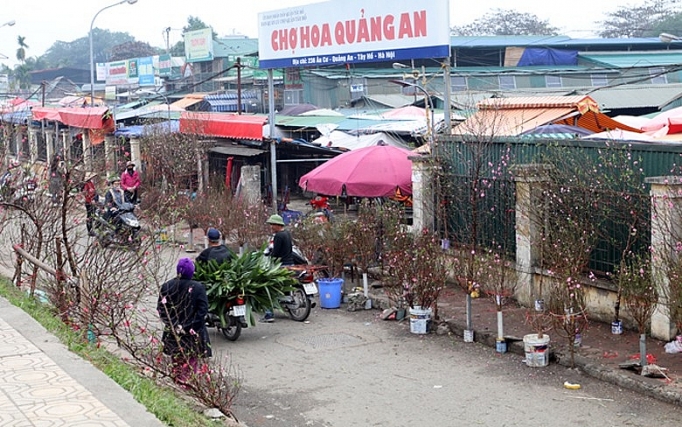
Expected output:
{"points": [[330, 292]]}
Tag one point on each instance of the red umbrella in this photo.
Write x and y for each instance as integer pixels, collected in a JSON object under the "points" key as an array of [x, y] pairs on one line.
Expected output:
{"points": [[376, 171]]}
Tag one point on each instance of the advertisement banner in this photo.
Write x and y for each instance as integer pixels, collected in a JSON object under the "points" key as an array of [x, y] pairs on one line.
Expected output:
{"points": [[165, 65], [353, 31], [199, 45], [133, 68], [117, 73], [145, 70]]}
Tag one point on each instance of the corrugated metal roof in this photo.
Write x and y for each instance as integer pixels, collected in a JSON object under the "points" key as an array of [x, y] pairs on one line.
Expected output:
{"points": [[509, 122], [597, 122], [634, 59], [637, 96], [503, 41], [526, 102], [189, 100], [237, 150], [306, 121], [549, 41]]}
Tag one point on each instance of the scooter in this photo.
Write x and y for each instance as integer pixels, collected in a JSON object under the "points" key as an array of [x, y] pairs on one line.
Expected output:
{"points": [[121, 229]]}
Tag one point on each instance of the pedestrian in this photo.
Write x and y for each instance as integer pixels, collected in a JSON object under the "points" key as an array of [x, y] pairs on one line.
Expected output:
{"points": [[130, 182], [279, 247], [90, 198], [56, 178], [215, 249], [182, 306]]}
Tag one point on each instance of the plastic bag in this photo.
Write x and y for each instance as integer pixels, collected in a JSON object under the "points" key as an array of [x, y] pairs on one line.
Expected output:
{"points": [[673, 347]]}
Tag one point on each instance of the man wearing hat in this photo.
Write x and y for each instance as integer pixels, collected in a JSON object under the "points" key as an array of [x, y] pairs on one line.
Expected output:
{"points": [[215, 249], [130, 182], [280, 243], [280, 246]]}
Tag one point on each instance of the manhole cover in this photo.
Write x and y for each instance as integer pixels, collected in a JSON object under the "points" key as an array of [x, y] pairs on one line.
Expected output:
{"points": [[330, 340]]}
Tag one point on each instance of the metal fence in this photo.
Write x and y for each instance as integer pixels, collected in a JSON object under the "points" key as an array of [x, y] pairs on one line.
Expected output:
{"points": [[477, 190]]}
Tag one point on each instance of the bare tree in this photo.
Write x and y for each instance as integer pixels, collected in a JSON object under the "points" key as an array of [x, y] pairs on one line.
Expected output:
{"points": [[506, 22], [638, 21]]}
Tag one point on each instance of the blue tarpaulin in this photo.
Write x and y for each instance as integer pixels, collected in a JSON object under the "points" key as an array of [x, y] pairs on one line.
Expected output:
{"points": [[547, 56], [140, 130], [19, 117]]}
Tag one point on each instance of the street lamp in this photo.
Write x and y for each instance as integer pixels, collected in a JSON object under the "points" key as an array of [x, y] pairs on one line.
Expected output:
{"points": [[668, 38], [92, 67], [8, 23], [427, 99]]}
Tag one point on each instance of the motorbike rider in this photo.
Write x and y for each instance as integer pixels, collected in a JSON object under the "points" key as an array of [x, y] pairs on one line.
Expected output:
{"points": [[113, 199], [215, 250], [281, 247]]}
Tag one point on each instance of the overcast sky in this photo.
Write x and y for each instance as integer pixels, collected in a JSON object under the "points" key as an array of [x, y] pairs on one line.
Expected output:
{"points": [[42, 22]]}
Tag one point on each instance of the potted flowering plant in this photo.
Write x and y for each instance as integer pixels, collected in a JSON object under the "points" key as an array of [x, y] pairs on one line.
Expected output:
{"points": [[639, 294], [497, 276], [417, 274]]}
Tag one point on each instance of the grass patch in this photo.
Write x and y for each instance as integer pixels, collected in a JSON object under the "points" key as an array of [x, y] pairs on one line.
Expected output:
{"points": [[163, 402]]}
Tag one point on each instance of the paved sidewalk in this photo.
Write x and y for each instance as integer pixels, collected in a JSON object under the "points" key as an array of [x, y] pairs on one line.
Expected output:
{"points": [[43, 384]]}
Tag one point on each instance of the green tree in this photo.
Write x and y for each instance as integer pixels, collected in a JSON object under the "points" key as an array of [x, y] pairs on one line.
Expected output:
{"points": [[77, 52], [645, 20], [22, 76], [132, 49], [21, 51], [193, 23], [505, 22]]}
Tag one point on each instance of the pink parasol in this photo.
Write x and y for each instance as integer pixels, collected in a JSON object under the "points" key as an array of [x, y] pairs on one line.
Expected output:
{"points": [[375, 171]]}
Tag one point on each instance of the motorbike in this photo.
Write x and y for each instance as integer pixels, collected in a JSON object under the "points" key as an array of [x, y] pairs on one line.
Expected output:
{"points": [[297, 303], [231, 327], [121, 229]]}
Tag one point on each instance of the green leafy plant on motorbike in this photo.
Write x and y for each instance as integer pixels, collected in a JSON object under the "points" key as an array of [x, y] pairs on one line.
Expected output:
{"points": [[256, 278]]}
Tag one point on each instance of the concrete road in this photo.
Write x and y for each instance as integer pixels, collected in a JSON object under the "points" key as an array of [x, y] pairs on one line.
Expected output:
{"points": [[346, 369]]}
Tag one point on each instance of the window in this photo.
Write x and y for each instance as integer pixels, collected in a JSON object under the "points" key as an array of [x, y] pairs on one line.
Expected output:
{"points": [[658, 75], [293, 97], [599, 80], [507, 82], [458, 83], [553, 81]]}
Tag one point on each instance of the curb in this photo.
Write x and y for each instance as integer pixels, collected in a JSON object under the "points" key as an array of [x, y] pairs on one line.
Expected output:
{"points": [[587, 366]]}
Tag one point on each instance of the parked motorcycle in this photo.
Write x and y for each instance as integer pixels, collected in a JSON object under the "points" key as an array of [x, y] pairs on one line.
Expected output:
{"points": [[121, 229]]}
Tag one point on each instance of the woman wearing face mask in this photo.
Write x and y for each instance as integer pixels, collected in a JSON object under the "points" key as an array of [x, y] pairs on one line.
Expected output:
{"points": [[130, 182]]}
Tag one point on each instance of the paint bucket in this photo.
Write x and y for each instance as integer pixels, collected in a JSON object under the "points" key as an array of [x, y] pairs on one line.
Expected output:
{"points": [[501, 345], [617, 327], [330, 292], [468, 335], [536, 349], [420, 320]]}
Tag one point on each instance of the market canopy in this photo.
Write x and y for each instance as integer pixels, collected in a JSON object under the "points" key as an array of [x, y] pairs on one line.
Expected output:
{"points": [[222, 125], [85, 118]]}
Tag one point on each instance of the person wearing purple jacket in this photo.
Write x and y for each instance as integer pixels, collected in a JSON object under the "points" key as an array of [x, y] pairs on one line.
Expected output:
{"points": [[182, 306]]}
